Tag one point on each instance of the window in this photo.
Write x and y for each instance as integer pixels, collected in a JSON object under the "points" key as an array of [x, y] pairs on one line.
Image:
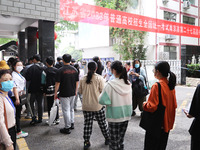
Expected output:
{"points": [[191, 1], [172, 52], [188, 20], [170, 16]]}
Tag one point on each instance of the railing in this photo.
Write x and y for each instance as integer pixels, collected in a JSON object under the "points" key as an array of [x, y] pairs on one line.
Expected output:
{"points": [[175, 66]]}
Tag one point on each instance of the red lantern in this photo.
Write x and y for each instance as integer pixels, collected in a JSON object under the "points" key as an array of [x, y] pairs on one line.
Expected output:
{"points": [[37, 35], [55, 35]]}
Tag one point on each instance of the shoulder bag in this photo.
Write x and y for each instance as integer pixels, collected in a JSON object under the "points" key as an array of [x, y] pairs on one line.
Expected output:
{"points": [[152, 122]]}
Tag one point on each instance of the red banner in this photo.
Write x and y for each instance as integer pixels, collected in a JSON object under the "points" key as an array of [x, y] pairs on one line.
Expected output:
{"points": [[108, 17]]}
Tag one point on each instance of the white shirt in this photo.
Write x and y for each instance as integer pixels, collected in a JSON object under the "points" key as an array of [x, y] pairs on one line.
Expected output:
{"points": [[19, 81]]}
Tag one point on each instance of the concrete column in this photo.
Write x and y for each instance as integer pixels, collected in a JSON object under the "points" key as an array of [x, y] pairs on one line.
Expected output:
{"points": [[31, 41], [21, 47], [46, 39]]}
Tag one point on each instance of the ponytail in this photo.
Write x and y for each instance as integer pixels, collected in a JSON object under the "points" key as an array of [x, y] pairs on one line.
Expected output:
{"points": [[89, 76], [117, 65], [124, 75], [172, 80], [164, 68], [91, 70]]}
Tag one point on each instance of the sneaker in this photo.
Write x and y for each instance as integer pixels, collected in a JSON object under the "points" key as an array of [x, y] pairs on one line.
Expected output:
{"points": [[22, 134], [39, 121], [133, 113], [28, 117], [72, 126], [34, 121], [107, 141], [86, 145], [65, 131], [57, 121]]}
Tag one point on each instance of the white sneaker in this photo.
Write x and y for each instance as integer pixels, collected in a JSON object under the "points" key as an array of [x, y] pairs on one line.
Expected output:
{"points": [[22, 134]]}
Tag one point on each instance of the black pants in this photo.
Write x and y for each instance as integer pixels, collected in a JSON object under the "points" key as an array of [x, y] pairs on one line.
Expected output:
{"points": [[195, 143], [17, 115], [50, 101], [153, 142], [12, 133], [138, 102], [38, 96]]}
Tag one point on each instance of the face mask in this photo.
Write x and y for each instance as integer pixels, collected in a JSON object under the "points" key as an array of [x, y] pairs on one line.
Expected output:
{"points": [[19, 68], [137, 65], [7, 85]]}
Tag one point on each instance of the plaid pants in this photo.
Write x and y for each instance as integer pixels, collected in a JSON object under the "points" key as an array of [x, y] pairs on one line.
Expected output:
{"points": [[117, 133], [88, 122]]}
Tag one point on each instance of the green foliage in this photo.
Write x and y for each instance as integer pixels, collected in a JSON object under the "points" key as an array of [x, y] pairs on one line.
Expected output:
{"points": [[62, 27], [6, 40], [193, 67], [76, 54], [128, 43], [193, 70]]}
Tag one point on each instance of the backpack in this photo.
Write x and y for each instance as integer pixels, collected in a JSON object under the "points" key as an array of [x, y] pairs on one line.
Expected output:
{"points": [[139, 91]]}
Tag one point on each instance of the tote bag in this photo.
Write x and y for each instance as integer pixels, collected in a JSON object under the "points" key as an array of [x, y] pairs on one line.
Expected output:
{"points": [[152, 122]]}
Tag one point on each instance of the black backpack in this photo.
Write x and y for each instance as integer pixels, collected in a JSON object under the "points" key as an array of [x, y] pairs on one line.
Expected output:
{"points": [[138, 88]]}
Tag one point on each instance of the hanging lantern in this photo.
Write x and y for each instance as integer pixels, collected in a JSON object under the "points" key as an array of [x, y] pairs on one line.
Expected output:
{"points": [[37, 35], [55, 35]]}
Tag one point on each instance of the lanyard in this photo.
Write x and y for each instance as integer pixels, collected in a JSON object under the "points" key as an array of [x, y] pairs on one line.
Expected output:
{"points": [[20, 75], [10, 101]]}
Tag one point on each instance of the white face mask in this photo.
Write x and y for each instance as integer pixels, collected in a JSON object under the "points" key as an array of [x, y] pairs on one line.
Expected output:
{"points": [[19, 68]]}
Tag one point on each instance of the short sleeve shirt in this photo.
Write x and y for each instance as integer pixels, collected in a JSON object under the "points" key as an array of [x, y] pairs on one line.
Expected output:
{"points": [[67, 76]]}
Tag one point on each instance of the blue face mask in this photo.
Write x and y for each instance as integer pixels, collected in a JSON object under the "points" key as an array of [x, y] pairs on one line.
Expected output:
{"points": [[137, 65], [7, 85]]}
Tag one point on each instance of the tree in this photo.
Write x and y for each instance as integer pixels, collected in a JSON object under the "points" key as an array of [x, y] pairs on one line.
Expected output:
{"points": [[128, 43], [6, 40], [76, 54]]}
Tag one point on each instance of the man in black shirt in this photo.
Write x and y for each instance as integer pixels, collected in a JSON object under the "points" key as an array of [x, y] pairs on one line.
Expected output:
{"points": [[33, 75], [67, 81]]}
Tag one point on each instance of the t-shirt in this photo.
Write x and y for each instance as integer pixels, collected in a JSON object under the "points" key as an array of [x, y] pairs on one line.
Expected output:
{"points": [[67, 76]]}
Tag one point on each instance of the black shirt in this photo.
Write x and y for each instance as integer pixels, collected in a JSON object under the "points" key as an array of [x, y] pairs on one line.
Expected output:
{"points": [[67, 76]]}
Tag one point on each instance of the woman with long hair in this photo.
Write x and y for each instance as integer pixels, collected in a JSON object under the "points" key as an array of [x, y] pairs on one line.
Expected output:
{"points": [[100, 67], [167, 80], [90, 87], [135, 74], [19, 89], [7, 112], [117, 96]]}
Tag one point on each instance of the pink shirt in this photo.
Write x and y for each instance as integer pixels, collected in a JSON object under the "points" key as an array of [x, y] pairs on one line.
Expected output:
{"points": [[10, 113]]}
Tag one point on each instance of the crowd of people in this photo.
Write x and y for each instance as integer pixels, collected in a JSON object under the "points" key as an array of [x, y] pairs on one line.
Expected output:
{"points": [[108, 95]]}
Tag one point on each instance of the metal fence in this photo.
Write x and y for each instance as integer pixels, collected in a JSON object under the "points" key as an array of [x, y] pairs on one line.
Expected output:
{"points": [[175, 66]]}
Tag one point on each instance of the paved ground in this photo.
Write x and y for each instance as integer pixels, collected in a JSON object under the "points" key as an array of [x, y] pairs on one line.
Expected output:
{"points": [[43, 137]]}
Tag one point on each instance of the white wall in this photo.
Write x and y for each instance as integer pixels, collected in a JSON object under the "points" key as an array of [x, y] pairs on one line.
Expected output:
{"points": [[102, 52]]}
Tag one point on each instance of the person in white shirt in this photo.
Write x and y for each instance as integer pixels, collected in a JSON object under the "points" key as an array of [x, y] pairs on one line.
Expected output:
{"points": [[19, 90], [107, 71]]}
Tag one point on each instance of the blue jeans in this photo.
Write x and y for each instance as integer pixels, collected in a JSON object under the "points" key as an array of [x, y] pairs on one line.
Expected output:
{"points": [[67, 104]]}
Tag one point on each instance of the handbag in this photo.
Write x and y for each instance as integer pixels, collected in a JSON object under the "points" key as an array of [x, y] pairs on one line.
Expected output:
{"points": [[2, 146], [23, 99], [152, 122]]}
